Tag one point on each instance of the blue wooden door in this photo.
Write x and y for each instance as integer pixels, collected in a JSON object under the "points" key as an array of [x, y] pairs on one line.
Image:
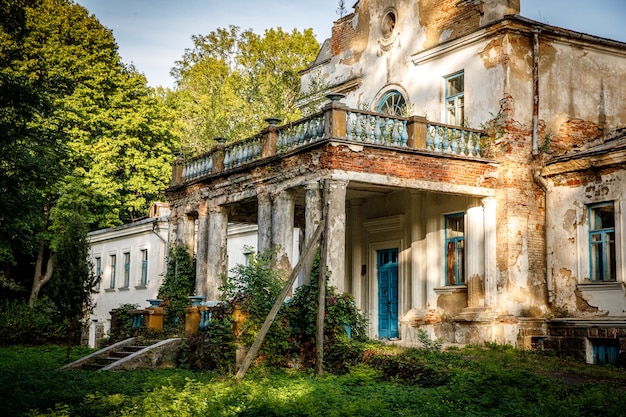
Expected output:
{"points": [[387, 265]]}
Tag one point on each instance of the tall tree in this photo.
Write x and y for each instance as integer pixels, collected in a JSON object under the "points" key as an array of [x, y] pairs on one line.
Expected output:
{"points": [[73, 280], [231, 80], [105, 147], [31, 152]]}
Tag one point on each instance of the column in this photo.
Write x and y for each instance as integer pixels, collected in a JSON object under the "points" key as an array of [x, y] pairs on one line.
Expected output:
{"points": [[172, 232], [434, 253], [202, 248], [489, 207], [189, 233], [282, 228], [356, 216], [336, 233], [264, 221], [312, 219], [418, 266], [474, 256], [216, 251]]}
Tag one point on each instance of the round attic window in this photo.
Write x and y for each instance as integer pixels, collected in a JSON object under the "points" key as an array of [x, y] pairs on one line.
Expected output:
{"points": [[388, 24]]}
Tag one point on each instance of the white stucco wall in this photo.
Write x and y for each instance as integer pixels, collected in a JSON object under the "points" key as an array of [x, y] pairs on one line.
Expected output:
{"points": [[151, 235]]}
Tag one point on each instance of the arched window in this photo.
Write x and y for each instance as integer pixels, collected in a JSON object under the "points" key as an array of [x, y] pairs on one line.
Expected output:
{"points": [[392, 104]]}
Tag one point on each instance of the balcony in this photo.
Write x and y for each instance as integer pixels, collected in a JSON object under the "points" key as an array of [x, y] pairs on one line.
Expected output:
{"points": [[339, 123]]}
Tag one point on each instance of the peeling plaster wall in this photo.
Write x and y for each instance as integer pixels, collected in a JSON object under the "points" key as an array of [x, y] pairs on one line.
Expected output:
{"points": [[571, 195], [382, 64]]}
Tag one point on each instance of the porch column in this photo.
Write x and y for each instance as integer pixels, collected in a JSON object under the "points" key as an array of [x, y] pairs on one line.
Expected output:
{"points": [[356, 216], [418, 266], [434, 253], [336, 233], [475, 256], [312, 219], [202, 246], [489, 207], [172, 233], [189, 233], [264, 221], [282, 228], [216, 251]]}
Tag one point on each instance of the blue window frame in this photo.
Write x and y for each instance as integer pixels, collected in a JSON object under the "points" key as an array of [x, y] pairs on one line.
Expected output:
{"points": [[126, 269], [455, 249], [144, 267], [113, 259], [455, 99], [602, 242], [392, 104]]}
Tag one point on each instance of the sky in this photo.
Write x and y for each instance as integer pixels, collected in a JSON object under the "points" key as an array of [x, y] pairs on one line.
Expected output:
{"points": [[153, 34]]}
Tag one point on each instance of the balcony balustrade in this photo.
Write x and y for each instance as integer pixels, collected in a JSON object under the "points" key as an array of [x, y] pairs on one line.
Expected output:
{"points": [[336, 122]]}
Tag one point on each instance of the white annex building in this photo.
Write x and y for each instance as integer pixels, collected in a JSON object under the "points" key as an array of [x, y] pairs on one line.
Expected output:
{"points": [[132, 259]]}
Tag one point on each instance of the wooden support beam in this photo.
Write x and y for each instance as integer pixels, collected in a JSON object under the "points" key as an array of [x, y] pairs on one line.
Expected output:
{"points": [[306, 259]]}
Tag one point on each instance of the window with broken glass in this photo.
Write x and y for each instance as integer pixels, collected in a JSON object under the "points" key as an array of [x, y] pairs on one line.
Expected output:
{"points": [[455, 99], [602, 242], [455, 249]]}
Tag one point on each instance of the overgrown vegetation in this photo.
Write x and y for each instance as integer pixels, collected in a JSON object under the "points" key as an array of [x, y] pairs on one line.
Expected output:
{"points": [[178, 284], [290, 342], [21, 324], [478, 381]]}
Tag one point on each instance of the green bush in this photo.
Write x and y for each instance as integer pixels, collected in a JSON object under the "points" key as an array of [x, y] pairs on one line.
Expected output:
{"points": [[122, 324], [213, 348], [290, 341], [20, 324]]}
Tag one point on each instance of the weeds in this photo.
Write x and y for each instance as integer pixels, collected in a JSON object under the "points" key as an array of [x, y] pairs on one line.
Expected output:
{"points": [[479, 381]]}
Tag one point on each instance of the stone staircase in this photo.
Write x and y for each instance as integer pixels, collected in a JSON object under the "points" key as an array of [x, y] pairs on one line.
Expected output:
{"points": [[130, 354]]}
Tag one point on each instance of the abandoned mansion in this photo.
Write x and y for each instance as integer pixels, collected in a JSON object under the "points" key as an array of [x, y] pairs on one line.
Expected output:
{"points": [[471, 165]]}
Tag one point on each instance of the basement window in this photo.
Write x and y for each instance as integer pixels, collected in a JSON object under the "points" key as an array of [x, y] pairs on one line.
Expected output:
{"points": [[605, 351], [602, 242], [455, 249]]}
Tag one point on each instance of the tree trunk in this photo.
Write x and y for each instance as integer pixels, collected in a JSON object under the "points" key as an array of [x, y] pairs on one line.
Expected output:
{"points": [[41, 276]]}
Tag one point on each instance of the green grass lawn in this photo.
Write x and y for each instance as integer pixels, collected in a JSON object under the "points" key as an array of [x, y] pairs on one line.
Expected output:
{"points": [[490, 381]]}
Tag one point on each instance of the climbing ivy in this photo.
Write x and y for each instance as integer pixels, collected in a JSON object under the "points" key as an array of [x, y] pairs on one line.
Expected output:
{"points": [[178, 284]]}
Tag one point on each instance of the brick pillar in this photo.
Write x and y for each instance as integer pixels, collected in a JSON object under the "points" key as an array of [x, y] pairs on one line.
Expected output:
{"points": [[416, 128], [335, 120], [216, 251]]}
